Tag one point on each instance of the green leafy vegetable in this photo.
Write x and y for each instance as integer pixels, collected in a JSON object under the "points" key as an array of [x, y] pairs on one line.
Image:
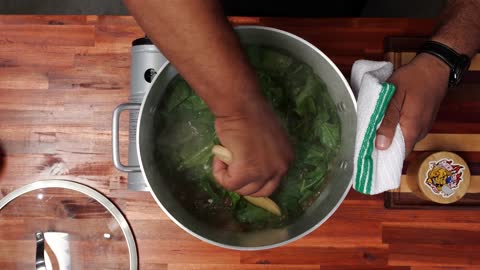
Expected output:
{"points": [[179, 95], [255, 216], [330, 135], [186, 136]]}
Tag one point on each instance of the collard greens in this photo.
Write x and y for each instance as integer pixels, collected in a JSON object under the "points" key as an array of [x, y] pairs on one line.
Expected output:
{"points": [[186, 137]]}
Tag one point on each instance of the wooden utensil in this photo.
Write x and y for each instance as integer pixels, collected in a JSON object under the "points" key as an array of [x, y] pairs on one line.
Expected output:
{"points": [[263, 202]]}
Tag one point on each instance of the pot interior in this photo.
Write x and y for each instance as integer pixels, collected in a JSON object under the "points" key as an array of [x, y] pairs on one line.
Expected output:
{"points": [[335, 187]]}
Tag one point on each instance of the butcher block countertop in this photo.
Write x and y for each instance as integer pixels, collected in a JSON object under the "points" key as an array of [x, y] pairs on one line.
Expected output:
{"points": [[62, 76]]}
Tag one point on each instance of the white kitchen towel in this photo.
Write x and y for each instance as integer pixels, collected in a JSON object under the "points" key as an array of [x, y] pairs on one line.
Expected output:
{"points": [[375, 171]]}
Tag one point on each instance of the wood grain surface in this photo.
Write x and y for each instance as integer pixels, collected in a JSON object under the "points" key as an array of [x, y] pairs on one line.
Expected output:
{"points": [[62, 76]]}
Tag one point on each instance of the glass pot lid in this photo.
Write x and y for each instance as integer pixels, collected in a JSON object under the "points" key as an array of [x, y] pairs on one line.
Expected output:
{"points": [[59, 224]]}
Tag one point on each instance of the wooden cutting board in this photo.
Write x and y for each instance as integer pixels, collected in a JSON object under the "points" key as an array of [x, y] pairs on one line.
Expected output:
{"points": [[456, 129]]}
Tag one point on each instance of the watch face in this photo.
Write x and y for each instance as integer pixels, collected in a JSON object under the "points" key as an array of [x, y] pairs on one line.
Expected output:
{"points": [[459, 70]]}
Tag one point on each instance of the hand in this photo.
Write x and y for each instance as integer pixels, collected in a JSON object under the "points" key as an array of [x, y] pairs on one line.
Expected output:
{"points": [[420, 87], [260, 147]]}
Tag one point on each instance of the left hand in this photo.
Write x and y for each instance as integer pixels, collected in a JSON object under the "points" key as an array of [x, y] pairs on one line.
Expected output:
{"points": [[420, 88]]}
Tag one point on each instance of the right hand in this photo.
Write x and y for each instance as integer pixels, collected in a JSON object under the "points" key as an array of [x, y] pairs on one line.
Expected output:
{"points": [[260, 147]]}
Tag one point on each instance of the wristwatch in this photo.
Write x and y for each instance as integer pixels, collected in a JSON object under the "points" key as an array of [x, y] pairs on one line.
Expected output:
{"points": [[458, 63]]}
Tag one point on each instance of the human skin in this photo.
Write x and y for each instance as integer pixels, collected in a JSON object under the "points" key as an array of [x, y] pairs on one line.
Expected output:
{"points": [[197, 38], [422, 84]]}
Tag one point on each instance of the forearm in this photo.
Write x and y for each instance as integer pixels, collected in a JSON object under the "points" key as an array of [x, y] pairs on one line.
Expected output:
{"points": [[197, 38], [460, 26]]}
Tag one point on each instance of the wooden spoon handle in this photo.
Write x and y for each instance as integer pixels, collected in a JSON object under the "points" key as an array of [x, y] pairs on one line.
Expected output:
{"points": [[263, 202], [223, 154]]}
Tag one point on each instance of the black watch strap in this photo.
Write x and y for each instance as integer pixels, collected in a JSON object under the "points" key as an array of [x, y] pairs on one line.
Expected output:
{"points": [[458, 63]]}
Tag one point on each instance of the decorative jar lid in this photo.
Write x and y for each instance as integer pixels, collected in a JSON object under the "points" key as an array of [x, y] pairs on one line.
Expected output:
{"points": [[441, 177]]}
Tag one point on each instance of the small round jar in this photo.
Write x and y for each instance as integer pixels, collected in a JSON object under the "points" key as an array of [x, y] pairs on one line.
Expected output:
{"points": [[441, 177]]}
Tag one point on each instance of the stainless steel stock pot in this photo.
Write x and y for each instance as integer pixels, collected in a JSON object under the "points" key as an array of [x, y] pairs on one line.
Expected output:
{"points": [[335, 189]]}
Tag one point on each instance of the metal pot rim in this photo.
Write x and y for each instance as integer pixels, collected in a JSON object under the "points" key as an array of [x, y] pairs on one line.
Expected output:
{"points": [[334, 209]]}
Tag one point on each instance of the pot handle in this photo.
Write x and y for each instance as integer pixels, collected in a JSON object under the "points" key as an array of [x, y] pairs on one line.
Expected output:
{"points": [[115, 137]]}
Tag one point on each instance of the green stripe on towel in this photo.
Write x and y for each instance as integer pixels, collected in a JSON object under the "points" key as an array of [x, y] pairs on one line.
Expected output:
{"points": [[364, 174]]}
